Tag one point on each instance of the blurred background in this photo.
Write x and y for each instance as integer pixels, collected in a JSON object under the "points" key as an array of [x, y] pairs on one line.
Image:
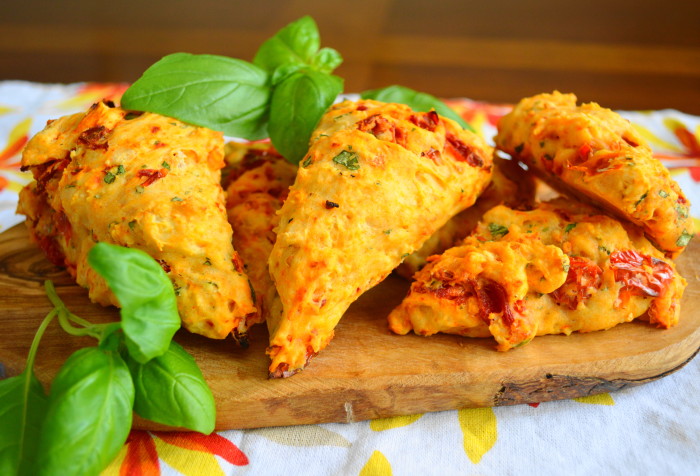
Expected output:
{"points": [[624, 54]]}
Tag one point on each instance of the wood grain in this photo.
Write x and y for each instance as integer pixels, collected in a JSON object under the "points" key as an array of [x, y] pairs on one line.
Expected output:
{"points": [[366, 372]]}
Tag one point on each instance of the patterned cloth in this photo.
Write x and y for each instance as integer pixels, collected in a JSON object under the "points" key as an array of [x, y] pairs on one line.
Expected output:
{"points": [[651, 429]]}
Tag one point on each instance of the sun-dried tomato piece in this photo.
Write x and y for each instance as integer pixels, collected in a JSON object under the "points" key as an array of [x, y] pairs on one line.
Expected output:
{"points": [[493, 299], [151, 175], [463, 152], [428, 120], [458, 292], [380, 127], [583, 277], [640, 275], [94, 138]]}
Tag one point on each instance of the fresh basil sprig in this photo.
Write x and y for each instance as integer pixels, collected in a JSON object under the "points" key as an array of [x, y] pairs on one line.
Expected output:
{"points": [[282, 94], [415, 100], [303, 87], [298, 103], [224, 94], [86, 419], [145, 294], [297, 44]]}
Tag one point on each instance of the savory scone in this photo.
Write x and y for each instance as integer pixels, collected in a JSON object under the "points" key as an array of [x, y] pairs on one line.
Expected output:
{"points": [[597, 156], [510, 185], [557, 269], [143, 181], [258, 183], [378, 180]]}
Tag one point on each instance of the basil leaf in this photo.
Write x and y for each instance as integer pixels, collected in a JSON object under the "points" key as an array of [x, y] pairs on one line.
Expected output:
{"points": [[417, 101], [170, 389], [326, 60], [148, 303], [224, 94], [297, 105], [296, 43], [285, 71], [89, 414], [22, 409]]}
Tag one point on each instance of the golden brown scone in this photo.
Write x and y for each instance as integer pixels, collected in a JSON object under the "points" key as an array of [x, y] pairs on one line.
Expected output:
{"points": [[510, 185], [259, 181], [557, 269], [144, 181], [595, 155], [378, 180]]}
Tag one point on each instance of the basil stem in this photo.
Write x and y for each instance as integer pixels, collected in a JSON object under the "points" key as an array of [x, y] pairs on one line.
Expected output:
{"points": [[22, 409]]}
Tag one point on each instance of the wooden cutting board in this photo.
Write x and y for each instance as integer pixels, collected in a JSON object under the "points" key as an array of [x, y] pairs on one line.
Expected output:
{"points": [[366, 372]]}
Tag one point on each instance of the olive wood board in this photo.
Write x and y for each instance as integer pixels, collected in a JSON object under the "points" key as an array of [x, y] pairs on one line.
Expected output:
{"points": [[366, 372]]}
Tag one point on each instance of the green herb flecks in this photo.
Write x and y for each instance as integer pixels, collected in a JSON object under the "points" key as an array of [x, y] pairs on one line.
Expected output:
{"points": [[681, 211], [350, 160], [498, 231], [641, 199], [684, 239]]}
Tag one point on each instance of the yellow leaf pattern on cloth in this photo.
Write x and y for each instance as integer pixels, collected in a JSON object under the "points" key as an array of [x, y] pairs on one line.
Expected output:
{"points": [[307, 435], [187, 462], [478, 427], [377, 465], [381, 424], [654, 140], [600, 399]]}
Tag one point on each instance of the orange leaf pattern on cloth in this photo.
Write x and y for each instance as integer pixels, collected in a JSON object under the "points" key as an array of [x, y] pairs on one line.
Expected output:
{"points": [[16, 140], [689, 140], [213, 444], [377, 465], [478, 427], [600, 399], [381, 424], [140, 458]]}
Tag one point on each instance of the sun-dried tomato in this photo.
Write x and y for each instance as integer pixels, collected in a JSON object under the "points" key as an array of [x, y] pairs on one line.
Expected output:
{"points": [[458, 292], [433, 154], [427, 121], [493, 299], [380, 127], [593, 162], [640, 275], [463, 152], [94, 138], [583, 276], [151, 175]]}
